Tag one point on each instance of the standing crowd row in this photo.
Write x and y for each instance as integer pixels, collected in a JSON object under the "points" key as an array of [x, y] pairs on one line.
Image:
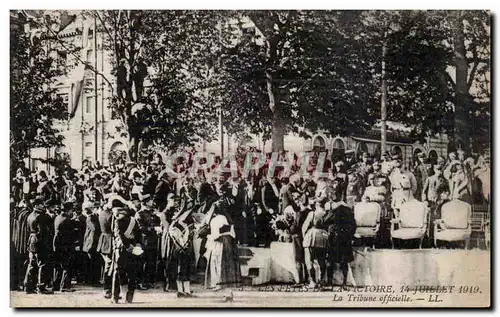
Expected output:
{"points": [[129, 226]]}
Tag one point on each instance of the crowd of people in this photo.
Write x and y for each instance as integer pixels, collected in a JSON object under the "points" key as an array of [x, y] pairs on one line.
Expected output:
{"points": [[129, 226]]}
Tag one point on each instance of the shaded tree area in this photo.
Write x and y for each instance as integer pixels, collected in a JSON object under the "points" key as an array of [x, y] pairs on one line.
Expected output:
{"points": [[34, 104], [278, 72], [294, 71]]}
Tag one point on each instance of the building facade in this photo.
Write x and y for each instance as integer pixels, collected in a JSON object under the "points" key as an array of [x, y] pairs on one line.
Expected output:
{"points": [[89, 132]]}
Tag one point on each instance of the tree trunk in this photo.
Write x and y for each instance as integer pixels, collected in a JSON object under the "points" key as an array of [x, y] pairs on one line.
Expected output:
{"points": [[461, 120], [278, 132]]}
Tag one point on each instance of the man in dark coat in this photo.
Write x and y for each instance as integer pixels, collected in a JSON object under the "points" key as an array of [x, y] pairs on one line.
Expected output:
{"points": [[80, 260], [105, 246], [63, 249], [206, 196], [38, 248], [162, 189], [341, 228], [90, 240]]}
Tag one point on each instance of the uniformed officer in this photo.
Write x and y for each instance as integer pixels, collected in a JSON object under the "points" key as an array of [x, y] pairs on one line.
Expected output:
{"points": [[148, 221], [126, 250], [38, 248], [181, 232]]}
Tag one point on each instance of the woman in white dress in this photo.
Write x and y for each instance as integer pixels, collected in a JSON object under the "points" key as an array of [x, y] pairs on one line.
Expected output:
{"points": [[223, 267]]}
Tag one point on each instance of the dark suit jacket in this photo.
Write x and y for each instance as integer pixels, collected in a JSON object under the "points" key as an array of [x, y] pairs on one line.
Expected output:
{"points": [[39, 228], [105, 243], [63, 233], [161, 191], [341, 228], [92, 233]]}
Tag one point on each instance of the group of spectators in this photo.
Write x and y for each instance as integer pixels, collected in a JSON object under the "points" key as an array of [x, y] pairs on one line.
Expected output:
{"points": [[62, 226]]}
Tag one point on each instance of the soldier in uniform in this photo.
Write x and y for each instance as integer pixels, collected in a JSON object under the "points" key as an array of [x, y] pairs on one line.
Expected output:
{"points": [[63, 249], [315, 243], [165, 216], [431, 193], [148, 221], [181, 231], [126, 250], [402, 181], [38, 249], [341, 228]]}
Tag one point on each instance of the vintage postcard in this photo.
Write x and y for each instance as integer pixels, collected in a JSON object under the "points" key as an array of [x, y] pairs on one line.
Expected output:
{"points": [[250, 158]]}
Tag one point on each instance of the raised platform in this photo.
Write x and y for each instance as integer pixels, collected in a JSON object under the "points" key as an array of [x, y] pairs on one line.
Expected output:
{"points": [[378, 267]]}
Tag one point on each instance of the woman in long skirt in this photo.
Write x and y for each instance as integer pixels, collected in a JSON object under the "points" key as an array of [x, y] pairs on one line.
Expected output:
{"points": [[223, 267]]}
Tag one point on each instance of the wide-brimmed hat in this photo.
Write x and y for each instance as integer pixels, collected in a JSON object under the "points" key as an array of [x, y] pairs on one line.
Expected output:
{"points": [[120, 211]]}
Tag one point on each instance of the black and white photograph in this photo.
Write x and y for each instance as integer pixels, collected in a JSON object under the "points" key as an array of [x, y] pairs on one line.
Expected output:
{"points": [[250, 158]]}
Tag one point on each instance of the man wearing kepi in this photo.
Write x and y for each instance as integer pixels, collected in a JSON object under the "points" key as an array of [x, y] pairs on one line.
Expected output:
{"points": [[38, 247], [341, 228], [126, 250]]}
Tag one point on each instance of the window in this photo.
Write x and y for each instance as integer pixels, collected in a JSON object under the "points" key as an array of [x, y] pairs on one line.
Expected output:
{"points": [[338, 150], [319, 144], [88, 144], [89, 105], [338, 144], [90, 56]]}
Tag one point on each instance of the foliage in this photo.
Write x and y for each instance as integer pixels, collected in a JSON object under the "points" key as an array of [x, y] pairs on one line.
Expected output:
{"points": [[163, 50], [34, 105]]}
